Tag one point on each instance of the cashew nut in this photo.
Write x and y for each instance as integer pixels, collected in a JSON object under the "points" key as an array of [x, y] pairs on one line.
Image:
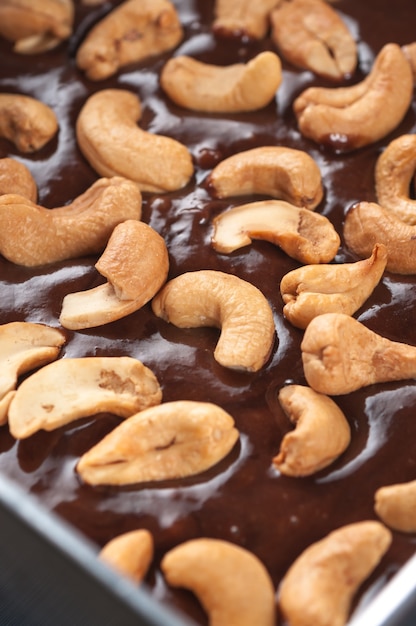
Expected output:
{"points": [[276, 171], [243, 18], [135, 30], [231, 89], [26, 122], [71, 388], [410, 52], [113, 144], [319, 587], [130, 553], [306, 236], [347, 118], [231, 583], [16, 178], [135, 263], [238, 308], [172, 440], [315, 289], [396, 506], [311, 35], [77, 229], [341, 355]]}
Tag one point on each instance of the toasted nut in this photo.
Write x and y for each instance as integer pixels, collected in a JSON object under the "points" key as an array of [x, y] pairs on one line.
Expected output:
{"points": [[396, 506], [16, 178], [311, 35], [320, 585], [315, 289], [322, 432], [172, 440], [243, 18], [26, 122], [113, 144], [232, 89], [135, 30], [80, 228], [280, 172], [306, 236], [347, 118], [410, 52], [341, 355], [71, 388], [394, 172], [231, 583], [135, 263], [130, 553], [238, 308]]}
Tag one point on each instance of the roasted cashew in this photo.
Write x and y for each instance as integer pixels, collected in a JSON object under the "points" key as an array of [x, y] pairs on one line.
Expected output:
{"points": [[130, 553], [315, 289], [16, 178], [26, 122], [276, 171], [238, 308], [135, 263], [230, 582], [347, 118], [77, 229], [319, 587], [113, 144], [243, 18], [410, 52], [311, 35], [341, 355], [396, 506]]}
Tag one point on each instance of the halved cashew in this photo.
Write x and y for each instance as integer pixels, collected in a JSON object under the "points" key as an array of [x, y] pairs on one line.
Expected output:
{"points": [[276, 171], [322, 432], [231, 583], [311, 35], [238, 308], [71, 388], [396, 506], [306, 236], [130, 553], [231, 89], [410, 52], [130, 33], [135, 263], [113, 144], [320, 585], [347, 118], [238, 18], [16, 178], [341, 355], [315, 289], [172, 440], [27, 122], [32, 235], [395, 169]]}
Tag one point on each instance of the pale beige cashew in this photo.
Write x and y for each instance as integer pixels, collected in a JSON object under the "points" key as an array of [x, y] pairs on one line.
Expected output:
{"points": [[135, 263], [319, 587], [304, 235], [396, 506], [27, 122], [131, 32], [335, 288], [243, 18], [15, 177], [231, 583], [283, 173], [32, 235], [395, 169], [130, 554], [114, 145], [222, 89], [71, 388], [348, 118], [410, 52], [311, 35], [321, 434], [238, 308], [341, 355]]}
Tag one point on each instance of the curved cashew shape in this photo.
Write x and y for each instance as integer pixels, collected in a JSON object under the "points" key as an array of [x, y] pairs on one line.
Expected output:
{"points": [[280, 172], [232, 89], [238, 18], [113, 144], [306, 236], [347, 118], [312, 290], [77, 229], [320, 585], [16, 178], [135, 263], [130, 553], [26, 122], [341, 355], [396, 506], [231, 583], [213, 298], [71, 388]]}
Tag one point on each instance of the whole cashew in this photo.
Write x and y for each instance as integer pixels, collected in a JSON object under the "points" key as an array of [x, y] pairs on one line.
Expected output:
{"points": [[231, 583], [113, 144], [396, 506], [130, 553], [243, 17], [16, 178], [26, 122]]}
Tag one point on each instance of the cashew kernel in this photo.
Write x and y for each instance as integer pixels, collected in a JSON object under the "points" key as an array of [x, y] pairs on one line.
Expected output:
{"points": [[130, 553], [26, 122], [410, 52], [242, 18], [16, 178], [396, 506]]}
